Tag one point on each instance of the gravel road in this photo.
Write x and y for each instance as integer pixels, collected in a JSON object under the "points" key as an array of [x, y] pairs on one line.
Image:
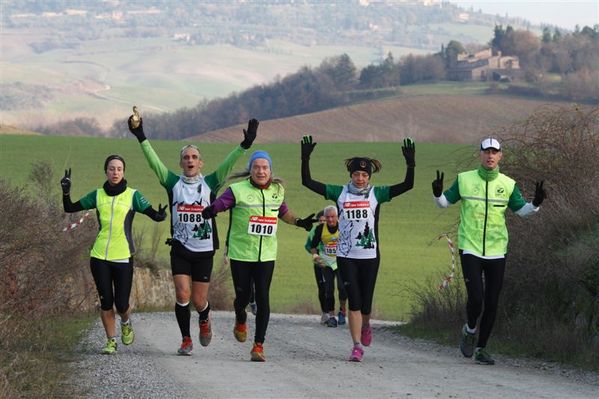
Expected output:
{"points": [[307, 360]]}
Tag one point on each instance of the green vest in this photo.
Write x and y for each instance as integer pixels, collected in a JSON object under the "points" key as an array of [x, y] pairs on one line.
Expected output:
{"points": [[252, 231], [482, 228], [115, 215]]}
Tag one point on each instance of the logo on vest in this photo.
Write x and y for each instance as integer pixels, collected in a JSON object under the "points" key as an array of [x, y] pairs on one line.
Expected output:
{"points": [[500, 192]]}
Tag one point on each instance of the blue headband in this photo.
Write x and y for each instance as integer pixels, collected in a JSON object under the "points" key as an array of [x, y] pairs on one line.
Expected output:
{"points": [[259, 154]]}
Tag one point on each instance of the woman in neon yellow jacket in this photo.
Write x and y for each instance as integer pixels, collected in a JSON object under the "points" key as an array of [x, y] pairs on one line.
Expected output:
{"points": [[111, 259]]}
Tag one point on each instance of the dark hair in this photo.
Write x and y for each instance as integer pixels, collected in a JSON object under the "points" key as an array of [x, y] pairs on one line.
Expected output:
{"points": [[110, 158], [368, 165]]}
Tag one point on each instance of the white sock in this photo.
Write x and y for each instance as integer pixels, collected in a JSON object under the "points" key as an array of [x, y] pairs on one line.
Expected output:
{"points": [[470, 330]]}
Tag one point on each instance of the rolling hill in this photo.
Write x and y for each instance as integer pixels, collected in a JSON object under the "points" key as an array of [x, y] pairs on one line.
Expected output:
{"points": [[428, 118]]}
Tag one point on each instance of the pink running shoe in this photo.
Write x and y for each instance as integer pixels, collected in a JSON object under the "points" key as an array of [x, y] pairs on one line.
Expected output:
{"points": [[356, 354], [366, 336]]}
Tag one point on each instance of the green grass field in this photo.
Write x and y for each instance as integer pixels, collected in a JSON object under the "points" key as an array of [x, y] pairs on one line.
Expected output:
{"points": [[409, 225]]}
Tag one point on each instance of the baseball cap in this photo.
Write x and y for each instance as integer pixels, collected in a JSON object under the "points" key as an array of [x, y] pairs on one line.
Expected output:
{"points": [[490, 143]]}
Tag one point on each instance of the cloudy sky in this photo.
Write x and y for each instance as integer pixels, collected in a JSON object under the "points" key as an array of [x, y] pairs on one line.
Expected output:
{"points": [[563, 13]]}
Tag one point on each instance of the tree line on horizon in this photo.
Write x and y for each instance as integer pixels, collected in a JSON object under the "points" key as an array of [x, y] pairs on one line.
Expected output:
{"points": [[337, 82]]}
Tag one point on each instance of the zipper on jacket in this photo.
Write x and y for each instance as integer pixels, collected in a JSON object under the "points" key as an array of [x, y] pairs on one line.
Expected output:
{"points": [[486, 215], [110, 227], [263, 213]]}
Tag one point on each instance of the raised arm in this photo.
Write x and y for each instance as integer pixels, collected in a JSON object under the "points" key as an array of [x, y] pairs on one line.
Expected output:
{"points": [[409, 152], [67, 204], [307, 147]]}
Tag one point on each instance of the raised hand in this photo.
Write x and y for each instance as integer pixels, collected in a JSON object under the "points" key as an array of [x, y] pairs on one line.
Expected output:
{"points": [[65, 182], [307, 147], [136, 126], [307, 222], [540, 193], [438, 184], [249, 135], [409, 151]]}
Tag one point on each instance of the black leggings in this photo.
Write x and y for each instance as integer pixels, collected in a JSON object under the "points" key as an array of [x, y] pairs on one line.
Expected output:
{"points": [[359, 277], [261, 273], [106, 274], [482, 291], [325, 279]]}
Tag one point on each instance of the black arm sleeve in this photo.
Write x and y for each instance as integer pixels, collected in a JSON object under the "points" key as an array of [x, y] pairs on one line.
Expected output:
{"points": [[404, 186], [152, 214], [68, 206], [317, 187], [317, 236]]}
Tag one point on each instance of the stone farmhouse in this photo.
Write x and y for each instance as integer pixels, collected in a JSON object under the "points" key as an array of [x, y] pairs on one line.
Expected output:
{"points": [[484, 66]]}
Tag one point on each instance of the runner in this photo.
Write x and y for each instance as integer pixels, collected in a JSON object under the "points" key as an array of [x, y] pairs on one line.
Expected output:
{"points": [[111, 259], [255, 203], [482, 238], [194, 240], [323, 248], [358, 255]]}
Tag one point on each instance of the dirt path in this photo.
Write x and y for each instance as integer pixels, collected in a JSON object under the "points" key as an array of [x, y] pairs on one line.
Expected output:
{"points": [[305, 359]]}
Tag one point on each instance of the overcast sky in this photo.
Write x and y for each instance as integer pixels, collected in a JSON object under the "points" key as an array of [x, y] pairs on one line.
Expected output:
{"points": [[563, 13]]}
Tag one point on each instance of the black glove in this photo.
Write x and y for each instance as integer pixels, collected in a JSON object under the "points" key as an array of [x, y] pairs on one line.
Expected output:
{"points": [[438, 184], [249, 135], [540, 193], [409, 151], [65, 182], [208, 213], [306, 223], [307, 147], [161, 215], [137, 131]]}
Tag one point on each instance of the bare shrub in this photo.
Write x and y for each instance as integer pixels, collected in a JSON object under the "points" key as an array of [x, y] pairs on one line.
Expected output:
{"points": [[42, 273]]}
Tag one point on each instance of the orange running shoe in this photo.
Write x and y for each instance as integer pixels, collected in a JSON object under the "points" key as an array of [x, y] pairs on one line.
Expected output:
{"points": [[186, 347], [240, 331], [257, 353], [205, 332]]}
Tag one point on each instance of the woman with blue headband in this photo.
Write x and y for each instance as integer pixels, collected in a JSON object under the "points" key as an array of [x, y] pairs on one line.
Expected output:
{"points": [[255, 203]]}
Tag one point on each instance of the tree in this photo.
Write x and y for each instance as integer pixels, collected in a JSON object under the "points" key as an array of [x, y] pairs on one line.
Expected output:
{"points": [[341, 70]]}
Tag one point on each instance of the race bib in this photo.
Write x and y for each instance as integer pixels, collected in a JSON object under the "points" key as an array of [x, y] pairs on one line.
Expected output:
{"points": [[191, 214], [356, 210], [262, 225], [331, 249]]}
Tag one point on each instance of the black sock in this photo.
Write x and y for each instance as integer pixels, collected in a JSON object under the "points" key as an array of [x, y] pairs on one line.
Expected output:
{"points": [[204, 313], [183, 316]]}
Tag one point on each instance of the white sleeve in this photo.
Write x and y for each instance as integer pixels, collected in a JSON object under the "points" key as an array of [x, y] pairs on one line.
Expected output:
{"points": [[527, 210], [441, 201]]}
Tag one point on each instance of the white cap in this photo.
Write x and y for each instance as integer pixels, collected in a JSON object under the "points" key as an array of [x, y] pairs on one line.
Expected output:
{"points": [[490, 143]]}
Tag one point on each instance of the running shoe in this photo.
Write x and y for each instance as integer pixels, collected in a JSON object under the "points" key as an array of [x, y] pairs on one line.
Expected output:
{"points": [[324, 318], [253, 308], [467, 342], [240, 331], [482, 357], [356, 354], [257, 353], [341, 318], [366, 336], [331, 322], [127, 333], [205, 332], [186, 347], [110, 347]]}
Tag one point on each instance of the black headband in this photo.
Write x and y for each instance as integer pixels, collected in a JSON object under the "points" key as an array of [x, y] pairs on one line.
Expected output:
{"points": [[363, 164]]}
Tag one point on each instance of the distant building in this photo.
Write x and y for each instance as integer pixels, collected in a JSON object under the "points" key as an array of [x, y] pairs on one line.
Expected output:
{"points": [[483, 66]]}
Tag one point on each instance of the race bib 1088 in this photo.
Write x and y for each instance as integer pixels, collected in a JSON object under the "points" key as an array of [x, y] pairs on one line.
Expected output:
{"points": [[190, 213]]}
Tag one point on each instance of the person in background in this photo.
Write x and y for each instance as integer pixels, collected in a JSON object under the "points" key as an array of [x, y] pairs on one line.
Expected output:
{"points": [[323, 248], [358, 255], [111, 258], [485, 194], [255, 204], [194, 239]]}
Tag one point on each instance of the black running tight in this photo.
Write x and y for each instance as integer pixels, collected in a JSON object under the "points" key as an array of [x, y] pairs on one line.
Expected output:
{"points": [[484, 279], [359, 276], [243, 274], [106, 274]]}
